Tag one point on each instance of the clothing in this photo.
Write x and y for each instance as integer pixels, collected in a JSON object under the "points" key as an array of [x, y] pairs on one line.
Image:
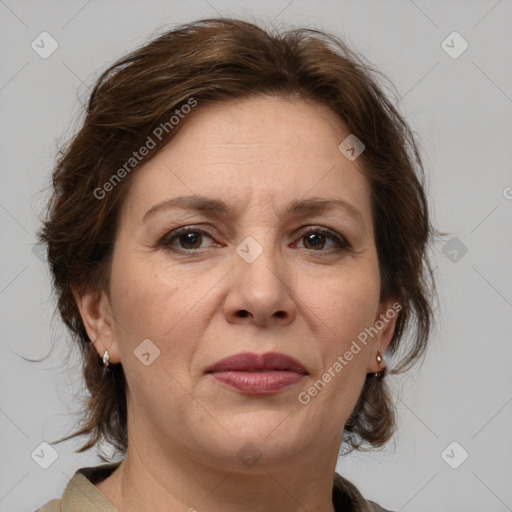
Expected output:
{"points": [[81, 495]]}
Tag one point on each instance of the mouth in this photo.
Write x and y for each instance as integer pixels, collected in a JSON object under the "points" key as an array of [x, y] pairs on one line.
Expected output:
{"points": [[258, 374]]}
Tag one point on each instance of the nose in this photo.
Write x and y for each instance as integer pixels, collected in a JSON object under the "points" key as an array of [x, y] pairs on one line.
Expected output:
{"points": [[260, 292]]}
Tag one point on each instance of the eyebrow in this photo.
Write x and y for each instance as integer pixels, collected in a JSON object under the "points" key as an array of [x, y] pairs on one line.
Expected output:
{"points": [[219, 208]]}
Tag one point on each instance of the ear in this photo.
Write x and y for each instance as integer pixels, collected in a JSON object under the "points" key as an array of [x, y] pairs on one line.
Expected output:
{"points": [[96, 315], [383, 329]]}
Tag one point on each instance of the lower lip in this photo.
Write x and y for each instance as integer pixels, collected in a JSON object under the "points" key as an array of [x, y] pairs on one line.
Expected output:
{"points": [[258, 383]]}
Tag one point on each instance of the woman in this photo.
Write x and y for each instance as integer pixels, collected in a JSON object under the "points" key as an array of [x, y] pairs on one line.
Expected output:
{"points": [[237, 236]]}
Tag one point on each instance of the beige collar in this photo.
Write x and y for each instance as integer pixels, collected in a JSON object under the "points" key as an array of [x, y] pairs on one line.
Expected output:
{"points": [[81, 495]]}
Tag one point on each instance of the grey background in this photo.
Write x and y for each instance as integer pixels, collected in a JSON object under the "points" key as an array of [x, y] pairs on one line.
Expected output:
{"points": [[461, 111]]}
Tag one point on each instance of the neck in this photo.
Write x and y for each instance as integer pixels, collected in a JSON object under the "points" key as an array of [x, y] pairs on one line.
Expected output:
{"points": [[150, 479]]}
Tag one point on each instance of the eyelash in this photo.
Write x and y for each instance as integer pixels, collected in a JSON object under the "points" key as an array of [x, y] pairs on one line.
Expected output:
{"points": [[166, 241]]}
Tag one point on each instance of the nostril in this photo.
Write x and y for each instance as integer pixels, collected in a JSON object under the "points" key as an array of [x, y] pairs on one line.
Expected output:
{"points": [[243, 313]]}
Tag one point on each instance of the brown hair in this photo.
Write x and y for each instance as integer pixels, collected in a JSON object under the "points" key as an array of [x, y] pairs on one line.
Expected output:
{"points": [[222, 59]]}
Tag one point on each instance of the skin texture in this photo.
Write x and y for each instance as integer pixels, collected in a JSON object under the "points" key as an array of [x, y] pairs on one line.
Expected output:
{"points": [[305, 300]]}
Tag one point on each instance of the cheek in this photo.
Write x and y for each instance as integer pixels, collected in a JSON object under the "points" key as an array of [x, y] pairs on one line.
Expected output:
{"points": [[345, 304], [343, 308], [156, 306], [151, 302]]}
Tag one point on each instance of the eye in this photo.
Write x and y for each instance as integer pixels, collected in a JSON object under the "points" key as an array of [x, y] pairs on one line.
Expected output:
{"points": [[188, 239], [315, 239]]}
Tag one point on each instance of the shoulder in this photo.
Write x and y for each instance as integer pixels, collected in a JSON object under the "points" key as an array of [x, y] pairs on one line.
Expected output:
{"points": [[51, 506], [80, 494], [347, 497]]}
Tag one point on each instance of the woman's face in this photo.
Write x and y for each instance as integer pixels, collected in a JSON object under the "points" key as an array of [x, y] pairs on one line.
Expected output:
{"points": [[257, 278]]}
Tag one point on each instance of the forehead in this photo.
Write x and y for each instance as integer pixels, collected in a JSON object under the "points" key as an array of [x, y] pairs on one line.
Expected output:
{"points": [[269, 150]]}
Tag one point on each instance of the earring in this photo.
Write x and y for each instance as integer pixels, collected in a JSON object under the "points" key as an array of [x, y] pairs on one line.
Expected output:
{"points": [[106, 358], [379, 375]]}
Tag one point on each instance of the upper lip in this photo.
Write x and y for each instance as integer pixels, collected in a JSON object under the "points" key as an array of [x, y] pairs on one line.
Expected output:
{"points": [[248, 361]]}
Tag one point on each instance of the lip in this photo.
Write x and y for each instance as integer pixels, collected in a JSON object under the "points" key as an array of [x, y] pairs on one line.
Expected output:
{"points": [[258, 374], [251, 362]]}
